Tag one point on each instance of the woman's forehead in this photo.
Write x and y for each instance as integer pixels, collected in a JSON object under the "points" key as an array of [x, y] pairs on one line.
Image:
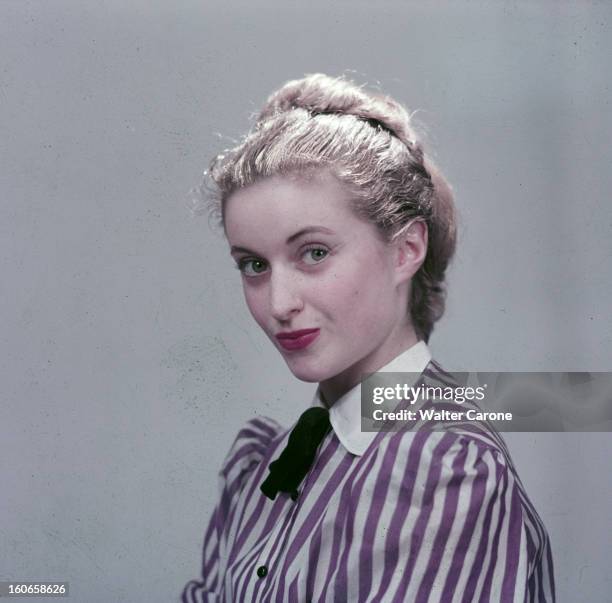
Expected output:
{"points": [[281, 201]]}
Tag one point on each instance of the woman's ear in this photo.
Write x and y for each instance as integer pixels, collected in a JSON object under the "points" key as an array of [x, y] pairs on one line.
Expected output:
{"points": [[410, 249]]}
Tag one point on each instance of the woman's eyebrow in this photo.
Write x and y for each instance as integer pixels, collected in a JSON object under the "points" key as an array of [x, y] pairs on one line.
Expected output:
{"points": [[300, 233], [237, 249], [309, 230]]}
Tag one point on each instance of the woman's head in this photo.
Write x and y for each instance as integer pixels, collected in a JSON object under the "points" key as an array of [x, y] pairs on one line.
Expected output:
{"points": [[320, 281], [367, 143]]}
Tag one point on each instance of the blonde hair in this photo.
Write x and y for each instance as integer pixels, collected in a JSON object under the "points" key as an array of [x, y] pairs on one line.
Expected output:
{"points": [[367, 141]]}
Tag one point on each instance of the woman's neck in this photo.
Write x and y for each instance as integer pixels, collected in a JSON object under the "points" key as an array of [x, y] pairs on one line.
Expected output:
{"points": [[335, 387]]}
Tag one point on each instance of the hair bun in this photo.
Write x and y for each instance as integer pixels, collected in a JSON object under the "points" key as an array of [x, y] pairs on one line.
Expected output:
{"points": [[321, 94]]}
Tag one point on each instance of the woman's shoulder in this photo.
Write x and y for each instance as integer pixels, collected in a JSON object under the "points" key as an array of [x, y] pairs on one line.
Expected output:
{"points": [[450, 447], [465, 429], [250, 446]]}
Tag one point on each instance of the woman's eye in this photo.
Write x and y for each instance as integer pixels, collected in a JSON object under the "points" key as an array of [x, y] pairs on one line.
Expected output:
{"points": [[252, 267], [314, 255]]}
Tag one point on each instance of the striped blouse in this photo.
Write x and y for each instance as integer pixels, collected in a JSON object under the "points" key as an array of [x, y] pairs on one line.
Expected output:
{"points": [[402, 516]]}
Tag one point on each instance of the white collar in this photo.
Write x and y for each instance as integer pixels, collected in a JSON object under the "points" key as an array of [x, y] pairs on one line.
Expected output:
{"points": [[345, 414]]}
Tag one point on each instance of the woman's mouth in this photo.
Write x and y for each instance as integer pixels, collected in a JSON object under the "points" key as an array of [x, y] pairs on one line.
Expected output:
{"points": [[297, 340]]}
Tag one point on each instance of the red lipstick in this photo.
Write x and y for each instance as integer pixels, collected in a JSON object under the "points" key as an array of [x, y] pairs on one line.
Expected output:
{"points": [[297, 340]]}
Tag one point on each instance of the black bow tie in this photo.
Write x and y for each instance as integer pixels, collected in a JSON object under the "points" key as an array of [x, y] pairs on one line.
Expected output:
{"points": [[290, 468]]}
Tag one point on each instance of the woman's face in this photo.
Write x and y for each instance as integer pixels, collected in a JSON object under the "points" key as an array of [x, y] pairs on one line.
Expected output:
{"points": [[319, 280]]}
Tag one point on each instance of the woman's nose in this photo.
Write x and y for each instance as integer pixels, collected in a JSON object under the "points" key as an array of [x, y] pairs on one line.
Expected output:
{"points": [[285, 297]]}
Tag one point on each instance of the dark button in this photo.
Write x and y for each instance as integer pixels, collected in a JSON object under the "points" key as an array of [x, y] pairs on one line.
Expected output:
{"points": [[262, 571]]}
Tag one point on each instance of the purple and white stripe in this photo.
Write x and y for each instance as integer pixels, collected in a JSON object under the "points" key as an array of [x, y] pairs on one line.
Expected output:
{"points": [[422, 516]]}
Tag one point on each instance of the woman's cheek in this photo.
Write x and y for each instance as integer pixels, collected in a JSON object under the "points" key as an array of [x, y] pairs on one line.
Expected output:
{"points": [[254, 302], [337, 285]]}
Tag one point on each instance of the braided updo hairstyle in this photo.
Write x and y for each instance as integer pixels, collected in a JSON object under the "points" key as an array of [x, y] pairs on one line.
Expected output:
{"points": [[367, 142]]}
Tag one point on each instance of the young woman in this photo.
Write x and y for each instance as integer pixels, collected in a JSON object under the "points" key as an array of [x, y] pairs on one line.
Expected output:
{"points": [[342, 230]]}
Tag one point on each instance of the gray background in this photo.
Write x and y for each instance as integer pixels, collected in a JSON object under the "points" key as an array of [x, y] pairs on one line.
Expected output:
{"points": [[129, 360]]}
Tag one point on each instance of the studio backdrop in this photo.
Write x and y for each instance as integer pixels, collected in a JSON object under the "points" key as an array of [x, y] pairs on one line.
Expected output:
{"points": [[129, 359]]}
